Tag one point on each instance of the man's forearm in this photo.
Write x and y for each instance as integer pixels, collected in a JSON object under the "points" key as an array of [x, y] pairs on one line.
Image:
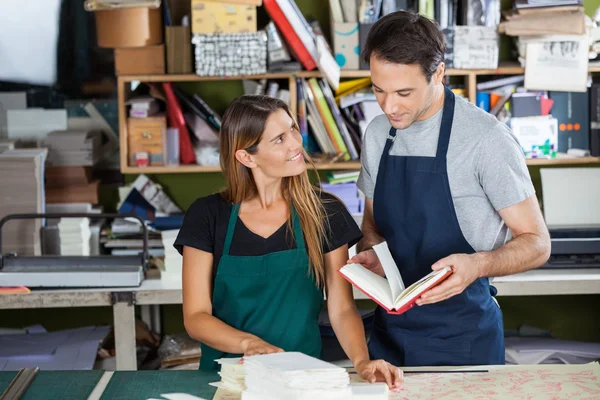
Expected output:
{"points": [[525, 252], [370, 238]]}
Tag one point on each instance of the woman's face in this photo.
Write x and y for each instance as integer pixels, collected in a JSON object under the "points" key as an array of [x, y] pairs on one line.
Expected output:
{"points": [[280, 149]]}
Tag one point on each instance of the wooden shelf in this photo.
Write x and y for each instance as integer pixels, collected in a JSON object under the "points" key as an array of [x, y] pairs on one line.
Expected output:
{"points": [[352, 165], [186, 169], [563, 161], [503, 69], [470, 81]]}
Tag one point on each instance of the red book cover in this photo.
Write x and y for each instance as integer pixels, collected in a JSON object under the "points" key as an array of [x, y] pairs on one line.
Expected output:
{"points": [[176, 119], [290, 34]]}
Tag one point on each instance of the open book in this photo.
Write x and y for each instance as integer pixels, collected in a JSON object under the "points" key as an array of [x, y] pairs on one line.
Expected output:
{"points": [[390, 293]]}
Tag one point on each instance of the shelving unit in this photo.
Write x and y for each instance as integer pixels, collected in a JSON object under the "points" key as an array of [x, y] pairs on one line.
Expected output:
{"points": [[470, 82]]}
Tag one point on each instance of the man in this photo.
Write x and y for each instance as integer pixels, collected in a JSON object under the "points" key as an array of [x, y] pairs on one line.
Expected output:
{"points": [[445, 184]]}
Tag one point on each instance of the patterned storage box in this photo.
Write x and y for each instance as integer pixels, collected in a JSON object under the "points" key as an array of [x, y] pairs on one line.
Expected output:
{"points": [[231, 54]]}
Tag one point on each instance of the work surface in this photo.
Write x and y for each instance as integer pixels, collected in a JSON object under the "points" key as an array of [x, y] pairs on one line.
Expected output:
{"points": [[499, 382], [168, 290]]}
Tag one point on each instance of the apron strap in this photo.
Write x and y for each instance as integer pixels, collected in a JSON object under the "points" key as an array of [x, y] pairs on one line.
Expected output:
{"points": [[231, 227], [297, 229], [446, 126], [390, 140]]}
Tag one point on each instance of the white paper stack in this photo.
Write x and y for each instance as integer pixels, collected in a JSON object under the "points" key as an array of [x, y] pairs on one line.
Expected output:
{"points": [[22, 191], [549, 351], [294, 376], [75, 234], [173, 260], [232, 375]]}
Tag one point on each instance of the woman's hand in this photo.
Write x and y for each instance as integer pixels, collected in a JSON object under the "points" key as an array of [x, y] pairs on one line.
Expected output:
{"points": [[252, 346], [379, 371]]}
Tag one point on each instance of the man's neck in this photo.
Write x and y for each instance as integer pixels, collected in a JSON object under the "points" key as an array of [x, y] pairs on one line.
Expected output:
{"points": [[436, 104]]}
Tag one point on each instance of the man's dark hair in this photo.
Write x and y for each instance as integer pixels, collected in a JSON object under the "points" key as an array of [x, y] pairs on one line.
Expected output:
{"points": [[404, 37]]}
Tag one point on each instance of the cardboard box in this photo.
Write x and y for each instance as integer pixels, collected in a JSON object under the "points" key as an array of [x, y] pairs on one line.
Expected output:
{"points": [[129, 27], [346, 45], [140, 60], [178, 42], [210, 16]]}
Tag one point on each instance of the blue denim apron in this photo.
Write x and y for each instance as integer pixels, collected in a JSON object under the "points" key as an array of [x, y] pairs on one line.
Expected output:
{"points": [[414, 211]]}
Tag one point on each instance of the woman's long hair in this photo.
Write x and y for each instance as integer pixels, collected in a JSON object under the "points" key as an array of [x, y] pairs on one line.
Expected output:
{"points": [[242, 129]]}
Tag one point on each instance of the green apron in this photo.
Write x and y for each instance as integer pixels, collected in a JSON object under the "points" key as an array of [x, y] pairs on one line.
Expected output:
{"points": [[273, 297]]}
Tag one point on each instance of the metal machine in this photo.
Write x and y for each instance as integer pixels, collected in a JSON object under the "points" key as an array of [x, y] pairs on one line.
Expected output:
{"points": [[53, 271]]}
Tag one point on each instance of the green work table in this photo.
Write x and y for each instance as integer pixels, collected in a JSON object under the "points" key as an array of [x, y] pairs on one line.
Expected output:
{"points": [[123, 385]]}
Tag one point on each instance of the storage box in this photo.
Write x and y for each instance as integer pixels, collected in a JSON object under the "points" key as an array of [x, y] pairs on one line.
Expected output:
{"points": [[231, 54], [346, 45], [147, 136], [129, 27], [140, 60], [179, 49], [221, 17]]}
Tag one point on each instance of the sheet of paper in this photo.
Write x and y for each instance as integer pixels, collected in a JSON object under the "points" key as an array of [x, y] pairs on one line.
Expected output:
{"points": [[570, 199], [559, 65], [391, 270], [530, 382], [76, 352]]}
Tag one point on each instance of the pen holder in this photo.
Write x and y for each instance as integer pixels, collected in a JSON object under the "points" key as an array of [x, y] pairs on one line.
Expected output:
{"points": [[179, 49]]}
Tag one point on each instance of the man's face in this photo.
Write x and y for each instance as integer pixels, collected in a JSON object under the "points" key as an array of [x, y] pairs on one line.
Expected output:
{"points": [[402, 91]]}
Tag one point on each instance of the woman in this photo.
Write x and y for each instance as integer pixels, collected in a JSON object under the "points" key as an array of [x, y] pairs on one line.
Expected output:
{"points": [[266, 247]]}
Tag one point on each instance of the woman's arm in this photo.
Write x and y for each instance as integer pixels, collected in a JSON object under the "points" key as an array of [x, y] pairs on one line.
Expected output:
{"points": [[348, 326], [199, 322]]}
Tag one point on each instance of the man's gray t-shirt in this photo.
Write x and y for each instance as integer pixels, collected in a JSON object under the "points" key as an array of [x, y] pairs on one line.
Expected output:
{"points": [[486, 167]]}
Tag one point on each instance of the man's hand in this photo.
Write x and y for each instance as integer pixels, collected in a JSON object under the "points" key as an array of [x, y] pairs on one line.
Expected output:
{"points": [[369, 260], [252, 346], [379, 371], [466, 268]]}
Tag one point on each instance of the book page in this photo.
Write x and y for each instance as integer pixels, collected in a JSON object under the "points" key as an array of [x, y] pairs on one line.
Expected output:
{"points": [[391, 270], [372, 284], [420, 286]]}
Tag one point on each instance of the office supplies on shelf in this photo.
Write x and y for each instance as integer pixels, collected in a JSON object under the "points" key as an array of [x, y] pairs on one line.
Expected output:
{"points": [[391, 293], [72, 271]]}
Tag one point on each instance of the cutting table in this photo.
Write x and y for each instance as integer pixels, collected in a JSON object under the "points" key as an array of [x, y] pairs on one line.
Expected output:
{"points": [[121, 385], [540, 382]]}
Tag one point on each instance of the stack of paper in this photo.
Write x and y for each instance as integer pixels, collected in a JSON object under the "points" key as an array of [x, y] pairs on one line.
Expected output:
{"points": [[22, 191], [294, 376], [173, 260], [549, 351], [75, 236], [74, 148], [232, 375]]}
